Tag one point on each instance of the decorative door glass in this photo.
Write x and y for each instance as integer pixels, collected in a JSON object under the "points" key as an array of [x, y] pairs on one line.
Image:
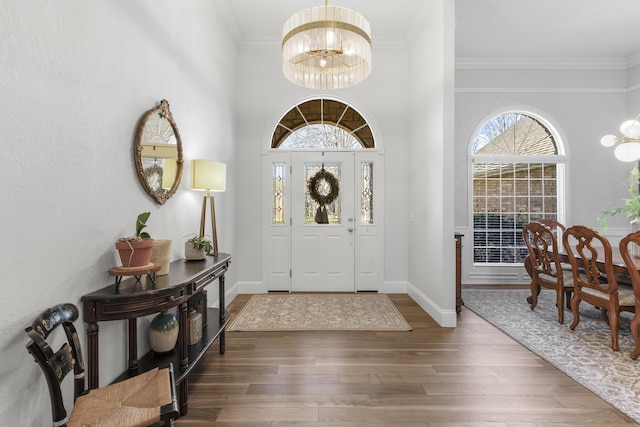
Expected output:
{"points": [[278, 190], [366, 193], [322, 201]]}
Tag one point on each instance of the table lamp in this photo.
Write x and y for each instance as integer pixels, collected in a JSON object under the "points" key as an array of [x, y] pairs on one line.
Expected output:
{"points": [[209, 176]]}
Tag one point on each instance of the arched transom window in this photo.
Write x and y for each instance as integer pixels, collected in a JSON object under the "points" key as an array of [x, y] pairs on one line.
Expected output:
{"points": [[323, 124], [518, 177]]}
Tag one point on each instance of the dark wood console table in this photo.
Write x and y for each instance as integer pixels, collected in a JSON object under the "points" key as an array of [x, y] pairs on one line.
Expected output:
{"points": [[183, 287]]}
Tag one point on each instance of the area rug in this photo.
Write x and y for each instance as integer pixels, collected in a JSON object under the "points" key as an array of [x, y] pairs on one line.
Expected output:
{"points": [[584, 354], [338, 312]]}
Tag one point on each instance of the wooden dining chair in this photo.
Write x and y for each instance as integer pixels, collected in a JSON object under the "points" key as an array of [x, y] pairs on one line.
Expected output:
{"points": [[546, 268], [594, 280], [634, 276], [143, 400]]}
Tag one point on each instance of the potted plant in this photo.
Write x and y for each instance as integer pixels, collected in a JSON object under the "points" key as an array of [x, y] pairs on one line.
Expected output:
{"points": [[135, 251], [631, 204], [197, 248]]}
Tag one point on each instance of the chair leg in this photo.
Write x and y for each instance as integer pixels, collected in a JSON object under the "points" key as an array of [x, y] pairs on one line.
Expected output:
{"points": [[533, 298], [614, 317], [575, 309], [560, 305], [567, 296], [635, 331]]}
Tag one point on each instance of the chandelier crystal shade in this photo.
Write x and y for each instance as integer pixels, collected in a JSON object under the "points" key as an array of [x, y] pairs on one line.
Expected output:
{"points": [[326, 47]]}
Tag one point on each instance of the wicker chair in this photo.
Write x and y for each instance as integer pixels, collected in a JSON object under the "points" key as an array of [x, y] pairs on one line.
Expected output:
{"points": [[143, 400]]}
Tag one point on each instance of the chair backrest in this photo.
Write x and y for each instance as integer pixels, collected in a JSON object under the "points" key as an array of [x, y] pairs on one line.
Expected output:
{"points": [[543, 250], [590, 257], [553, 224], [57, 364], [634, 275]]}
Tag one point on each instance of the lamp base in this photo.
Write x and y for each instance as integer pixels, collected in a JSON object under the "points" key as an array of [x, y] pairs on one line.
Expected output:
{"points": [[203, 216]]}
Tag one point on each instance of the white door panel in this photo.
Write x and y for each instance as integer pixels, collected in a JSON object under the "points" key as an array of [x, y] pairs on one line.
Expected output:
{"points": [[322, 253]]}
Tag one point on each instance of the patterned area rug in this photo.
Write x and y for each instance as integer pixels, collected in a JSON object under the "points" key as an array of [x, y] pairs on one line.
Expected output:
{"points": [[584, 354], [298, 312]]}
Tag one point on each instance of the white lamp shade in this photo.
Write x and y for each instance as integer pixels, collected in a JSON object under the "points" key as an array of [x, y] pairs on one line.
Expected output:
{"points": [[624, 126], [633, 131], [208, 175], [628, 151], [608, 140]]}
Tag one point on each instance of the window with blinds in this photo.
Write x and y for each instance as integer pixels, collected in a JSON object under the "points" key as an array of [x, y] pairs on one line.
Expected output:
{"points": [[516, 179]]}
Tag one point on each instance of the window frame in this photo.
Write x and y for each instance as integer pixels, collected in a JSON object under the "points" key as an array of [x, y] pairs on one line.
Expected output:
{"points": [[562, 171]]}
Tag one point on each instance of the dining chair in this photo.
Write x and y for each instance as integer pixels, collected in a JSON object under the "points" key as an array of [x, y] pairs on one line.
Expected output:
{"points": [[634, 275], [546, 268], [554, 224], [146, 399], [594, 280]]}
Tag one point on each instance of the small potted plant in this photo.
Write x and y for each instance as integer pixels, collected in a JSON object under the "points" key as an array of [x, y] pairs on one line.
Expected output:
{"points": [[631, 204], [197, 248], [135, 251]]}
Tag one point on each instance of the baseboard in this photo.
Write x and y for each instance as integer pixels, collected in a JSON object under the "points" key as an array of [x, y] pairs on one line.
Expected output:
{"points": [[445, 318], [393, 288], [251, 288]]}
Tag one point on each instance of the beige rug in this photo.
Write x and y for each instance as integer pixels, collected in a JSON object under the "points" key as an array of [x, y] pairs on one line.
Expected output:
{"points": [[338, 312]]}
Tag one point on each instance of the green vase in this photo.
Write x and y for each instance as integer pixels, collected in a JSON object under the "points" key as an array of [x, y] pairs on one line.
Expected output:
{"points": [[163, 332]]}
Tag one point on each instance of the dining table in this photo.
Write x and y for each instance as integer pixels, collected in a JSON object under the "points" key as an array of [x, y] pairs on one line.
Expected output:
{"points": [[619, 266]]}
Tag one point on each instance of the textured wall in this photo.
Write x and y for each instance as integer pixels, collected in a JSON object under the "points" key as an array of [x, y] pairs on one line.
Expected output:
{"points": [[75, 78]]}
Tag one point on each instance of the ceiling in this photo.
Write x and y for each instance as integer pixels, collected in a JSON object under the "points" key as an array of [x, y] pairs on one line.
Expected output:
{"points": [[484, 28]]}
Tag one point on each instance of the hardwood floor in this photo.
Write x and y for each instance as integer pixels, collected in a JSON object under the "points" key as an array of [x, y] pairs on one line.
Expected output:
{"points": [[472, 375]]}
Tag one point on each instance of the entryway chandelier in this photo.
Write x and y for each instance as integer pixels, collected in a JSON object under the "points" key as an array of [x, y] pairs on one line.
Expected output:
{"points": [[326, 47]]}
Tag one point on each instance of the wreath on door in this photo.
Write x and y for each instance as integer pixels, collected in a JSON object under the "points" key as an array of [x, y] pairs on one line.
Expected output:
{"points": [[314, 187]]}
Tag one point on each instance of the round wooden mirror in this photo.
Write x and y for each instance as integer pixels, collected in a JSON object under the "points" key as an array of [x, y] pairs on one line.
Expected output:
{"points": [[158, 153]]}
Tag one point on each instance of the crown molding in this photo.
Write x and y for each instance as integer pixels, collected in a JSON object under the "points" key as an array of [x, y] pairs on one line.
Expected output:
{"points": [[581, 90], [477, 63]]}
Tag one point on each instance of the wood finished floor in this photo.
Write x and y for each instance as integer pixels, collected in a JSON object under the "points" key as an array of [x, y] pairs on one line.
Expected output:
{"points": [[472, 375]]}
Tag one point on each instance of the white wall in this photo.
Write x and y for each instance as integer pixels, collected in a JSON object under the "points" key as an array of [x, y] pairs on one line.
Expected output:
{"points": [[431, 227], [76, 77], [265, 94], [633, 86], [584, 99]]}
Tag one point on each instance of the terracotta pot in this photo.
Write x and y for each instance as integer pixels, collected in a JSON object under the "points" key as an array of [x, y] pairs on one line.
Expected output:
{"points": [[135, 254]]}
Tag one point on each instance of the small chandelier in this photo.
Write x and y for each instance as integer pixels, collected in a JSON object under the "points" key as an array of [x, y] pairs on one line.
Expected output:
{"points": [[628, 149], [326, 48]]}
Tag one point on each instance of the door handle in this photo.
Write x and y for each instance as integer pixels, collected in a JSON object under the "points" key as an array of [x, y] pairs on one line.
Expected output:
{"points": [[350, 229]]}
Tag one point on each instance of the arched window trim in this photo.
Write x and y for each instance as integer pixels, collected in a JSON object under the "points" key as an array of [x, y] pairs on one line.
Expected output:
{"points": [[365, 127]]}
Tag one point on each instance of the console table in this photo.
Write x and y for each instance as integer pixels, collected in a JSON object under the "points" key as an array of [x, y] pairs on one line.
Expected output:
{"points": [[183, 288], [459, 302]]}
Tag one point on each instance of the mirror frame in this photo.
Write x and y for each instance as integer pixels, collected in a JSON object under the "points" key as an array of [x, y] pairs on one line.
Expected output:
{"points": [[163, 110]]}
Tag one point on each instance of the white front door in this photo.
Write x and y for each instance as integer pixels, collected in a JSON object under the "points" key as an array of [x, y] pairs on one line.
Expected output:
{"points": [[323, 224], [302, 253]]}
